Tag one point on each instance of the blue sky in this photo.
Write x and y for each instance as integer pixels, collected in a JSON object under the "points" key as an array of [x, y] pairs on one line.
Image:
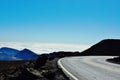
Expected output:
{"points": [[59, 21]]}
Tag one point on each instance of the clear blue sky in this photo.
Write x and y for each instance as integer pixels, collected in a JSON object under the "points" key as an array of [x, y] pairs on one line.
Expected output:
{"points": [[59, 21]]}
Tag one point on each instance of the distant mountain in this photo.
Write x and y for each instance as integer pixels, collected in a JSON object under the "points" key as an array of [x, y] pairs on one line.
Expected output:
{"points": [[13, 54], [4, 56], [26, 55], [9, 51], [110, 47]]}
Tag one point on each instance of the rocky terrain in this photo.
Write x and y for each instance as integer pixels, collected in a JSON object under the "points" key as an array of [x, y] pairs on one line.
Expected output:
{"points": [[45, 66], [114, 60]]}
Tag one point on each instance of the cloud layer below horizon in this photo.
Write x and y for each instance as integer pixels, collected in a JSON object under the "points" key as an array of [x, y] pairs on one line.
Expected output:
{"points": [[40, 48]]}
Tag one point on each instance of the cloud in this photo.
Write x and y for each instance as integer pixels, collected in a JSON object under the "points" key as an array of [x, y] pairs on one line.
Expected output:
{"points": [[44, 47]]}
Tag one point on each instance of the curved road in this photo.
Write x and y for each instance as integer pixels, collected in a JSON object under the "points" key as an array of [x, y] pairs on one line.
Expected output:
{"points": [[90, 68]]}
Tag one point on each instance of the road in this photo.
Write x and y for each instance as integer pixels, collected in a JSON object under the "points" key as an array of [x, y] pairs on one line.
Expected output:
{"points": [[90, 68]]}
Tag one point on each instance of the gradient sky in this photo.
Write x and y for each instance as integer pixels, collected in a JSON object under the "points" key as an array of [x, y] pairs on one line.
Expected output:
{"points": [[59, 21]]}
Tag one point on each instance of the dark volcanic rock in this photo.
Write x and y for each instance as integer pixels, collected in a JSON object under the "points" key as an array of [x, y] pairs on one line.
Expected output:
{"points": [[62, 54], [23, 74], [41, 61], [114, 60], [110, 47]]}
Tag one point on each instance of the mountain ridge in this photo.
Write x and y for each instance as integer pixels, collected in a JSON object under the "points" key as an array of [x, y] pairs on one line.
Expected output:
{"points": [[110, 47], [26, 54], [7, 53]]}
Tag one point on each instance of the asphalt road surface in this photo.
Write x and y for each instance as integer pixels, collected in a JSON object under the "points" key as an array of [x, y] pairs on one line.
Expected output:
{"points": [[90, 68]]}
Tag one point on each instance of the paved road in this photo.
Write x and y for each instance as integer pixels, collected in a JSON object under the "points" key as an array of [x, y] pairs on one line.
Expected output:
{"points": [[90, 68]]}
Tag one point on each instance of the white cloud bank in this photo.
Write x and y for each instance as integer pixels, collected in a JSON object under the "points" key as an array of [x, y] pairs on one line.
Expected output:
{"points": [[44, 47]]}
